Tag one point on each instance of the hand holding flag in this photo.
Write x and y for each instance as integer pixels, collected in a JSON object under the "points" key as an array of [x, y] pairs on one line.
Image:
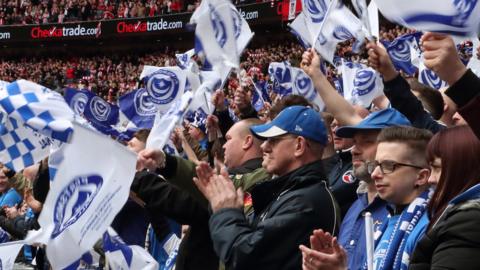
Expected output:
{"points": [[379, 60], [441, 57]]}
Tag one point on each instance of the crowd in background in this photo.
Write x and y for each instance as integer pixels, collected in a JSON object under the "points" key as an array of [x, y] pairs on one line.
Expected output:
{"points": [[15, 12]]}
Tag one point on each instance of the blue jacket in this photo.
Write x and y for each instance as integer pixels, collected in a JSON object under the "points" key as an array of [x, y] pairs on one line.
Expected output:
{"points": [[352, 230]]}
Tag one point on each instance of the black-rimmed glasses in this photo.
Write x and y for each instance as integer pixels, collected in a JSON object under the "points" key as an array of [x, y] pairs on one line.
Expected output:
{"points": [[388, 166]]}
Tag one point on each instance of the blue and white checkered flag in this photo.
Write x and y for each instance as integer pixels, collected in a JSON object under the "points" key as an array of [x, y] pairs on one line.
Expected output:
{"points": [[39, 108], [456, 17], [20, 146]]}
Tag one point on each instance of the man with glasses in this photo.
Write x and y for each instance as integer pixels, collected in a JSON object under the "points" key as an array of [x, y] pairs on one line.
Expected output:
{"points": [[400, 174], [364, 134], [286, 208]]}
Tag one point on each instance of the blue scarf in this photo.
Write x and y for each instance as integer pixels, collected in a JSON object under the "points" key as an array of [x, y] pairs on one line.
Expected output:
{"points": [[403, 227]]}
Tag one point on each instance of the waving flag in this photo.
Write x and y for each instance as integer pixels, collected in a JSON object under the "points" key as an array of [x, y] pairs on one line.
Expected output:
{"points": [[282, 77], [456, 17], [361, 84], [165, 123], [215, 33], [138, 107], [124, 257], [373, 19], [340, 25], [3, 84], [20, 146], [257, 98], [362, 11], [303, 86], [77, 99], [8, 254], [165, 86], [91, 184], [400, 51], [39, 108], [221, 33], [183, 59], [429, 78]]}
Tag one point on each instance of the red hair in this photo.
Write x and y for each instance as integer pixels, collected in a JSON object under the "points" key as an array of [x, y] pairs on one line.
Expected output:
{"points": [[459, 151]]}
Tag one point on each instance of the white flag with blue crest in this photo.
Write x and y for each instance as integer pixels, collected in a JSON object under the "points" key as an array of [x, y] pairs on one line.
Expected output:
{"points": [[165, 86], [361, 84], [183, 59], [137, 107], [292, 80], [215, 33], [8, 254], [38, 107], [91, 185], [430, 78], [303, 86], [121, 256], [165, 123], [340, 25], [401, 50], [456, 17]]}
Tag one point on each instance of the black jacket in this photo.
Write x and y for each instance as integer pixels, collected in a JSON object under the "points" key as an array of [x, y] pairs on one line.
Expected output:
{"points": [[453, 243], [466, 94], [341, 181], [286, 211], [163, 198], [404, 101]]}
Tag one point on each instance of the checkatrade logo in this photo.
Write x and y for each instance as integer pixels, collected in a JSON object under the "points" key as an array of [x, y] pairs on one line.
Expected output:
{"points": [[62, 31]]}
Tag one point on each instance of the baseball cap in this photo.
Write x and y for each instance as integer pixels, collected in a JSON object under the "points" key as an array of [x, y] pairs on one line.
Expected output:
{"points": [[377, 120], [298, 120]]}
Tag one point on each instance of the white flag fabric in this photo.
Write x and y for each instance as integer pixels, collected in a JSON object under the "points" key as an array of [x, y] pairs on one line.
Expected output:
{"points": [[361, 84], [121, 256], [362, 11], [91, 185], [183, 59], [3, 84], [456, 17], [165, 123], [38, 107], [299, 29], [474, 63], [340, 25], [302, 85], [430, 78], [165, 86], [215, 33], [8, 254], [292, 80], [373, 19], [21, 146]]}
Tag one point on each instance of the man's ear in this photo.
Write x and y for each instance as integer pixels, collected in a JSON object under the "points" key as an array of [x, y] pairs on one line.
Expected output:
{"points": [[247, 142], [422, 177], [300, 146]]}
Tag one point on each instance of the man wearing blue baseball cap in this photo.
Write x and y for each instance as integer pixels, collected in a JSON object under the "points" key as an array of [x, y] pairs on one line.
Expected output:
{"points": [[364, 135], [286, 208]]}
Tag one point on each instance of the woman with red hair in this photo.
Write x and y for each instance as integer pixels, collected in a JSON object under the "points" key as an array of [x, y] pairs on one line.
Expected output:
{"points": [[452, 240]]}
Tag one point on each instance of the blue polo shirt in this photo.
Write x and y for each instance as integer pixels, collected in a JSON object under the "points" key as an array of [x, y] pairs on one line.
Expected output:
{"points": [[352, 230]]}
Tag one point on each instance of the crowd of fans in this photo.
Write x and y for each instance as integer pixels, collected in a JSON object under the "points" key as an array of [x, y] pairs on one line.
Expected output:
{"points": [[15, 12], [295, 172]]}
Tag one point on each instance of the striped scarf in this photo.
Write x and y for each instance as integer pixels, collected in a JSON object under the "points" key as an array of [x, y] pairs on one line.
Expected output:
{"points": [[403, 227]]}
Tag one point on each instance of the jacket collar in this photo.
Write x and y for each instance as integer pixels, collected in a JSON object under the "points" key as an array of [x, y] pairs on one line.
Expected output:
{"points": [[266, 192]]}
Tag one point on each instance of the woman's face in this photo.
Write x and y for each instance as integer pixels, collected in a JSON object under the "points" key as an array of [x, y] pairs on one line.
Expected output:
{"points": [[4, 185], [435, 171]]}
